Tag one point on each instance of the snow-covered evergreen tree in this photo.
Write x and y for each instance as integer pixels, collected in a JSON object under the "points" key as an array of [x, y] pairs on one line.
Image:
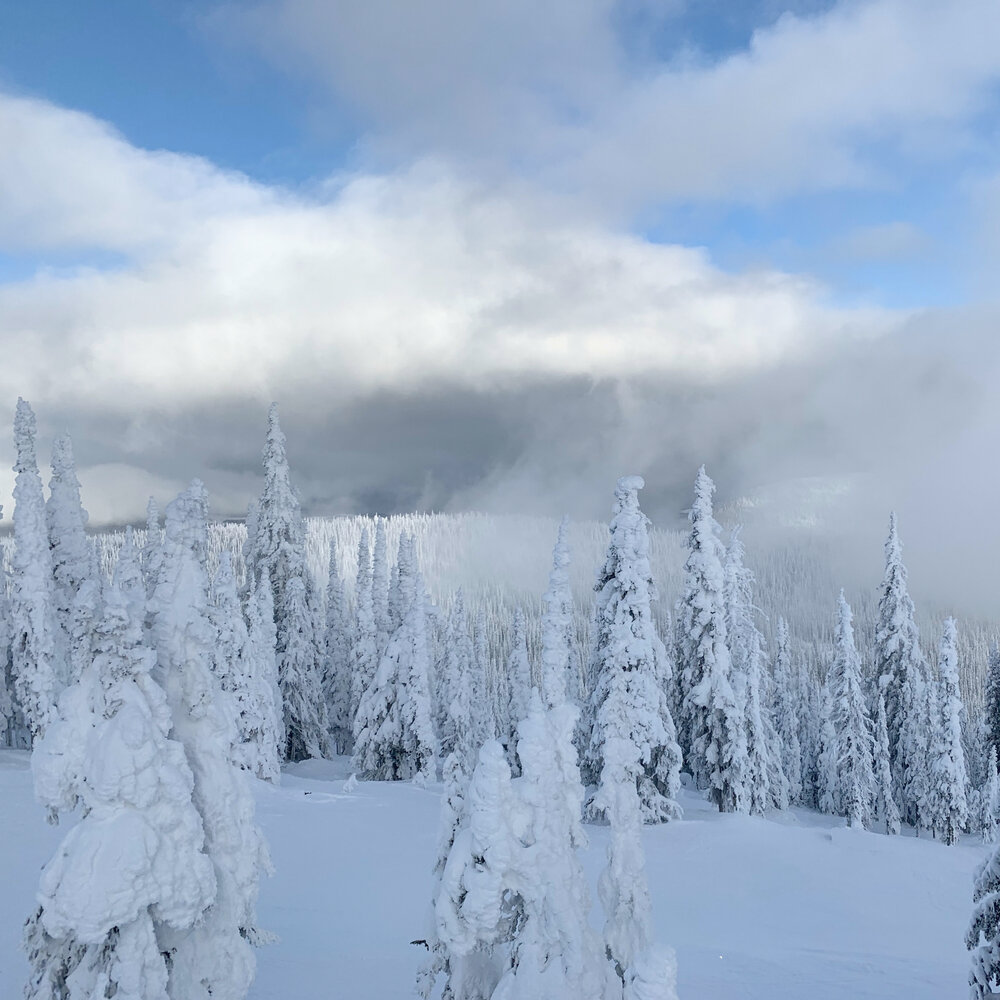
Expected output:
{"points": [[990, 800], [364, 651], [212, 960], [304, 708], [134, 867], [263, 736], [852, 724], [337, 646], [766, 784], [983, 936], [886, 812], [991, 705], [899, 664], [827, 781], [128, 578], [393, 733], [75, 593], [787, 712], [152, 547], [557, 675], [458, 682], [38, 674], [714, 736], [519, 685], [948, 777], [380, 586], [626, 700]]}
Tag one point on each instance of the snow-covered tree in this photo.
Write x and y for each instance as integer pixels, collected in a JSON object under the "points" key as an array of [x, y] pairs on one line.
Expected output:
{"points": [[212, 960], [364, 651], [135, 861], [554, 952], [128, 578], [303, 705], [991, 706], [899, 663], [494, 686], [712, 720], [626, 701], [75, 593], [766, 784], [827, 781], [337, 645], [393, 734], [38, 674], [983, 936], [852, 724], [557, 675], [948, 777], [152, 547], [787, 712], [380, 586], [458, 683], [886, 811], [263, 736], [990, 800], [519, 685]]}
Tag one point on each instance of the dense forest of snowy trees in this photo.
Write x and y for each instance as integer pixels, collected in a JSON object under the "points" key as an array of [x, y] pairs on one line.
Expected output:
{"points": [[153, 671]]}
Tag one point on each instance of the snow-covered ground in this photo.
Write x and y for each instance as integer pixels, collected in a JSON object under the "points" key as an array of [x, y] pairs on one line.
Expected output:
{"points": [[787, 908]]}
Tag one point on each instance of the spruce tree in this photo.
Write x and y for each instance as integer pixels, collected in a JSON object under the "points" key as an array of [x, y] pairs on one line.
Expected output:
{"points": [[39, 676], [983, 936], [337, 646], [139, 829], [558, 678], [128, 579], [991, 706], [827, 781], [393, 734], [519, 684], [380, 586], [948, 776], [990, 800], [263, 735], [212, 960], [626, 701], [457, 682], [787, 717], [852, 724], [746, 650], [899, 663], [304, 708], [152, 547], [886, 812]]}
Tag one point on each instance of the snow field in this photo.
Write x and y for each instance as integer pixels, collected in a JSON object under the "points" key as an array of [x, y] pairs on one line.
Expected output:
{"points": [[791, 907]]}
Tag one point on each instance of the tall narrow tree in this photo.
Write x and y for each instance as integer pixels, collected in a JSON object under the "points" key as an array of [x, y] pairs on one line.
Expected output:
{"points": [[948, 778], [787, 708], [337, 645]]}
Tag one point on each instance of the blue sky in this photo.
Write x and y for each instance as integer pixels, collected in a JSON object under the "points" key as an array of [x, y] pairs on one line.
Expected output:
{"points": [[188, 78], [566, 228]]}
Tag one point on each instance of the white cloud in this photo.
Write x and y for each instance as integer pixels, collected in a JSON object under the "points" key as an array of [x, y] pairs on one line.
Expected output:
{"points": [[550, 89], [381, 283]]}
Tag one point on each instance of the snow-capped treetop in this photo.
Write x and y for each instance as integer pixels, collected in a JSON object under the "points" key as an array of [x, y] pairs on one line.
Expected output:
{"points": [[557, 623], [39, 676], [66, 520], [127, 577]]}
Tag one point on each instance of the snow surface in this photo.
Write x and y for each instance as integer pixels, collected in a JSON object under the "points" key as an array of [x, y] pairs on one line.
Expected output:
{"points": [[789, 907]]}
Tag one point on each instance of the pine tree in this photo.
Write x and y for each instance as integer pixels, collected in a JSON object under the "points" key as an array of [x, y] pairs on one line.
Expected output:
{"points": [[337, 645], [855, 777], [948, 765], [128, 578], [364, 651], [212, 960], [152, 547], [983, 935], [991, 707], [626, 701], [827, 781], [263, 735], [746, 650], [787, 698], [115, 723], [885, 802], [558, 680], [495, 696], [74, 601], [456, 682], [393, 735], [990, 800], [380, 587], [38, 675], [899, 662], [714, 741], [305, 718], [519, 684]]}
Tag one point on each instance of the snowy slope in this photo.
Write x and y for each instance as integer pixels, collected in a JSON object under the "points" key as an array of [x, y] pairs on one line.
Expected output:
{"points": [[790, 908]]}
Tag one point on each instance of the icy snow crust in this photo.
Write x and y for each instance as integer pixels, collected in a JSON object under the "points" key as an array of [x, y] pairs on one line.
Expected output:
{"points": [[782, 908]]}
